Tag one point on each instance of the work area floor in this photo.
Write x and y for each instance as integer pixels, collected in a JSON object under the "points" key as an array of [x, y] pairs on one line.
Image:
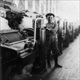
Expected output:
{"points": [[70, 60]]}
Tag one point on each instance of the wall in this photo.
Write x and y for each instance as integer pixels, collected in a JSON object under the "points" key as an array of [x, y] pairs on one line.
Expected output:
{"points": [[40, 6]]}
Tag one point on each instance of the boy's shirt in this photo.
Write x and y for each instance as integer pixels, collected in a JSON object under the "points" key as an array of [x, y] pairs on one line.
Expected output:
{"points": [[51, 31]]}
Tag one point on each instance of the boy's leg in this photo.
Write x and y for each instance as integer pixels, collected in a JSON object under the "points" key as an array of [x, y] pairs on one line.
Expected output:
{"points": [[56, 53]]}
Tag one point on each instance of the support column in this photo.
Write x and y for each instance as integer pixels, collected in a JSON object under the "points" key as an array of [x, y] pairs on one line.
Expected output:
{"points": [[37, 5], [30, 5], [26, 4], [44, 5], [52, 6], [48, 6], [33, 3], [40, 6]]}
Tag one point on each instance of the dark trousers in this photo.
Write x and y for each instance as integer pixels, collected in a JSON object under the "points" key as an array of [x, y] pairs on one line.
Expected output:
{"points": [[55, 51]]}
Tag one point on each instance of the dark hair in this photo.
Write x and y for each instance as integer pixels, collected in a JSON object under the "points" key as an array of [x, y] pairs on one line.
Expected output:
{"points": [[50, 14]]}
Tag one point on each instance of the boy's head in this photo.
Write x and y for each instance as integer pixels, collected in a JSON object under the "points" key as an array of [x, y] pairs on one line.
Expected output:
{"points": [[50, 17]]}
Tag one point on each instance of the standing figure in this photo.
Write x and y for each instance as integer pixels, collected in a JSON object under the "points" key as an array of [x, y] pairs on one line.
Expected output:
{"points": [[51, 39]]}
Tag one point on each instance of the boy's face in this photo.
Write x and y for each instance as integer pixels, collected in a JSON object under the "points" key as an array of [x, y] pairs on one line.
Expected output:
{"points": [[50, 18]]}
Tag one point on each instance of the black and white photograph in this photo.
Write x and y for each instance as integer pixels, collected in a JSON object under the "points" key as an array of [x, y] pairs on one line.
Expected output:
{"points": [[39, 39]]}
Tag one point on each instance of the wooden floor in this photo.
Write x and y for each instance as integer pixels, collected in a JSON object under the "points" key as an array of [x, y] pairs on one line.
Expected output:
{"points": [[70, 60]]}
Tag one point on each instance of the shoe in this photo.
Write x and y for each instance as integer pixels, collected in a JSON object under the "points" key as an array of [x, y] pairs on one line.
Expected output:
{"points": [[59, 66]]}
